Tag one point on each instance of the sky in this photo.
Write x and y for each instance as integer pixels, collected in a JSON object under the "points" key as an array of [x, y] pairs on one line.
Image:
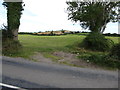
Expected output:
{"points": [[47, 15]]}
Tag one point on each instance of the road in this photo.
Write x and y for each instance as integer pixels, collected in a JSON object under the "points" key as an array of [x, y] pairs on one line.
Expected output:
{"points": [[28, 74]]}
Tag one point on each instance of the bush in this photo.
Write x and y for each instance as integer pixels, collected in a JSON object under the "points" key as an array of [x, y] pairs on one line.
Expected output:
{"points": [[10, 47], [103, 60], [115, 51], [97, 42]]}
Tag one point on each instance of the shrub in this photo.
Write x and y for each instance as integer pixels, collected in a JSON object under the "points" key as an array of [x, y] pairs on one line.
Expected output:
{"points": [[115, 51], [103, 60], [10, 47], [4, 32], [97, 42]]}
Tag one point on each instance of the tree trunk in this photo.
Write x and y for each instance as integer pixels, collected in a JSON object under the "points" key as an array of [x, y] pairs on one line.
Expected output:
{"points": [[15, 34]]}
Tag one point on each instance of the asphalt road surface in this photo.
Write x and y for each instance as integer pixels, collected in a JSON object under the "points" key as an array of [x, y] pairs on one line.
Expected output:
{"points": [[28, 74]]}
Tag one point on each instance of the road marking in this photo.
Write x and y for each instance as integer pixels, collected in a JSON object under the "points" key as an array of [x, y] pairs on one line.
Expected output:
{"points": [[11, 86]]}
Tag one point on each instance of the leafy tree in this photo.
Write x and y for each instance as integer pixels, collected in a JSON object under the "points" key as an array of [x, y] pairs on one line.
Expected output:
{"points": [[63, 31], [52, 33], [93, 15], [14, 11]]}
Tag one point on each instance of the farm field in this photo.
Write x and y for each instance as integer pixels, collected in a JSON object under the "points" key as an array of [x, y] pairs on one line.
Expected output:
{"points": [[67, 43], [48, 46], [49, 43]]}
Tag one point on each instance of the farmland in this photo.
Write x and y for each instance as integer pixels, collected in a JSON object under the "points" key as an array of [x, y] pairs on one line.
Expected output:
{"points": [[47, 45], [32, 43]]}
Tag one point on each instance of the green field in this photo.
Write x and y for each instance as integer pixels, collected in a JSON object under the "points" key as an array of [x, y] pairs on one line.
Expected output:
{"points": [[32, 43], [48, 45], [66, 43]]}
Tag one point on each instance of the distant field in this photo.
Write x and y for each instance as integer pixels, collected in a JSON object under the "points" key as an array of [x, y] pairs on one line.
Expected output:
{"points": [[32, 43]]}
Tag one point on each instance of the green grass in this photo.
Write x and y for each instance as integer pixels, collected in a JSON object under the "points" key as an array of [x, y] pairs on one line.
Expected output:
{"points": [[32, 43], [115, 39], [65, 43]]}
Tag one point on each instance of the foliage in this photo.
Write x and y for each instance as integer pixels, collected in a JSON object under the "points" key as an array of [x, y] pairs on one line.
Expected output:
{"points": [[10, 42], [97, 42], [114, 34], [30, 33], [103, 60], [4, 32], [52, 33], [93, 15], [14, 11], [115, 51], [10, 47]]}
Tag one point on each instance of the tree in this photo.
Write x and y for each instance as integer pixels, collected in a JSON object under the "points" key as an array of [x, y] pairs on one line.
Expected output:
{"points": [[14, 11], [93, 15], [52, 33], [63, 31]]}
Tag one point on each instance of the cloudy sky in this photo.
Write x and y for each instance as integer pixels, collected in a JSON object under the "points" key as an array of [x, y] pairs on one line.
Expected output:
{"points": [[46, 15]]}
